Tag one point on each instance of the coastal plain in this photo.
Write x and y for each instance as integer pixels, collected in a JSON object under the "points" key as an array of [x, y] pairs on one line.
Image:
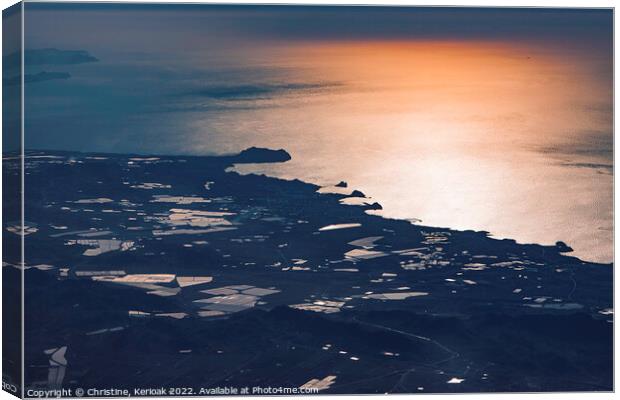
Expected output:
{"points": [[144, 271]]}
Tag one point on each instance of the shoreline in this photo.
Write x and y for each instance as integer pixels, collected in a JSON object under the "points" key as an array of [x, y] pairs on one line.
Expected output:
{"points": [[163, 254], [281, 156], [420, 222]]}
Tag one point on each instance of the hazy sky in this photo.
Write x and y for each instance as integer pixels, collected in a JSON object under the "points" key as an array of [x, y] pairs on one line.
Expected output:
{"points": [[139, 24], [158, 58]]}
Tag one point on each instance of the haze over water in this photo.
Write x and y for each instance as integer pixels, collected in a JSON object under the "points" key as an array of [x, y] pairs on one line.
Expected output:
{"points": [[507, 131]]}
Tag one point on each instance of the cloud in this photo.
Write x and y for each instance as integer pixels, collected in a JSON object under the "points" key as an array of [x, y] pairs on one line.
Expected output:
{"points": [[593, 144], [39, 77], [607, 169], [254, 22], [38, 57], [50, 57], [258, 91], [592, 149]]}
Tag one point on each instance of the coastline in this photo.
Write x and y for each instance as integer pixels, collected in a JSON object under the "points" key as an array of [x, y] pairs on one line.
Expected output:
{"points": [[287, 258]]}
